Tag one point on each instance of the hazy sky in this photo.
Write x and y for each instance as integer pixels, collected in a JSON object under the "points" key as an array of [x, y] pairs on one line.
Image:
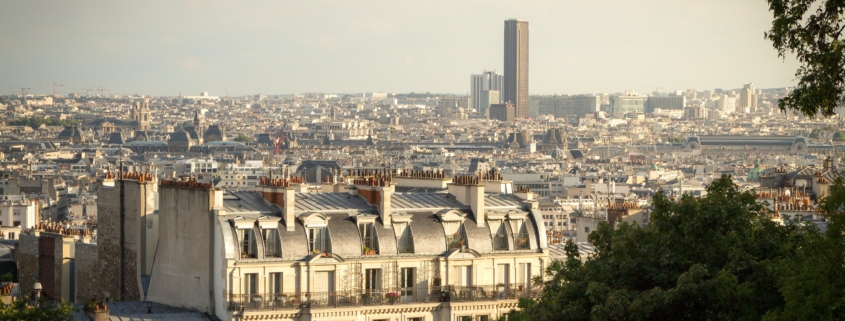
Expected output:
{"points": [[278, 47]]}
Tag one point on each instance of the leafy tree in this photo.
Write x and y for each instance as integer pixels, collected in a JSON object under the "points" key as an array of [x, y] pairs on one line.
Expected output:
{"points": [[811, 29], [839, 136], [812, 281], [711, 258], [34, 122], [45, 310], [243, 138]]}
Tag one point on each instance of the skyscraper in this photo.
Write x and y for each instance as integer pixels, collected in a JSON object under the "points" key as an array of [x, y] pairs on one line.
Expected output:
{"points": [[515, 88], [489, 80]]}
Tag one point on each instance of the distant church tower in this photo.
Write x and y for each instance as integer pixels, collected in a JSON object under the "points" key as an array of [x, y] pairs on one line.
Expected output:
{"points": [[141, 114]]}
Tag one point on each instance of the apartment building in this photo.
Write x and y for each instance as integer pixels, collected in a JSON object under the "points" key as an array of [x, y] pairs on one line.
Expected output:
{"points": [[360, 251]]}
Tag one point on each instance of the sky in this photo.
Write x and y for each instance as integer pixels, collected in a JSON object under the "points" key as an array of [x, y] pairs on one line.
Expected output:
{"points": [[283, 47]]}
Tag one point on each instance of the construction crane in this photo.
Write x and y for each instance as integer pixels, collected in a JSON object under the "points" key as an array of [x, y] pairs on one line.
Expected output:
{"points": [[54, 84], [279, 142], [24, 91], [101, 89]]}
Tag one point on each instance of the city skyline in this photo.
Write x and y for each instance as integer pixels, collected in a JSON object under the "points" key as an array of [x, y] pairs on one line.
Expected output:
{"points": [[165, 49]]}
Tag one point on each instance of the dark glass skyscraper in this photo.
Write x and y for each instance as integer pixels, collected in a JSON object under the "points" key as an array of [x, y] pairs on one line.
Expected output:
{"points": [[515, 89]]}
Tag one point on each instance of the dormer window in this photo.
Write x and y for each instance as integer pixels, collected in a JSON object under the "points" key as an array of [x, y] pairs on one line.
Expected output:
{"points": [[246, 237], [316, 229], [520, 238], [317, 239], [369, 242], [453, 228], [245, 230], [272, 244]]}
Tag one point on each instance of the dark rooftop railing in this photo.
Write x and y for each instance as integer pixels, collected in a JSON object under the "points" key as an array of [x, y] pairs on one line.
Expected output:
{"points": [[385, 296]]}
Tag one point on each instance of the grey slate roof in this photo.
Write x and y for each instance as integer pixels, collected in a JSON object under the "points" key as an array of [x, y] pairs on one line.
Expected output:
{"points": [[327, 202], [501, 201], [386, 239], [478, 238], [294, 243], [247, 201], [429, 237], [343, 232], [424, 201]]}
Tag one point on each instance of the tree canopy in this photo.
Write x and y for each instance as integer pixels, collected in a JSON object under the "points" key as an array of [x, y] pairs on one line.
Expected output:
{"points": [[811, 29], [45, 310], [719, 257]]}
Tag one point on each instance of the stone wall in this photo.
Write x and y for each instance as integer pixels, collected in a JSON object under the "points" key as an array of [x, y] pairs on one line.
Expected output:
{"points": [[87, 276], [136, 206], [182, 272], [27, 259]]}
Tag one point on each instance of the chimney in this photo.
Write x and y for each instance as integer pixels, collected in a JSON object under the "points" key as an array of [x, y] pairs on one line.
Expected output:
{"points": [[524, 193], [377, 190], [282, 192], [468, 191]]}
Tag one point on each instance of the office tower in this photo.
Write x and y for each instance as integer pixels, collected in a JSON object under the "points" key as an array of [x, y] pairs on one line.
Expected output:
{"points": [[665, 103], [488, 97], [748, 97], [502, 112], [564, 105], [516, 66], [489, 80], [630, 102]]}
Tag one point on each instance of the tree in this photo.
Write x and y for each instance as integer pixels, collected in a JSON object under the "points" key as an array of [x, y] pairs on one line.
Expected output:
{"points": [[44, 309], [812, 281], [839, 136], [698, 259], [811, 29], [243, 138]]}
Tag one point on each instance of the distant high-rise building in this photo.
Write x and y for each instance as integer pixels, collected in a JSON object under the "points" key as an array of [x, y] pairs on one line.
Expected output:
{"points": [[667, 103], [565, 105], [748, 97], [488, 97], [515, 88], [502, 112], [630, 102], [489, 80]]}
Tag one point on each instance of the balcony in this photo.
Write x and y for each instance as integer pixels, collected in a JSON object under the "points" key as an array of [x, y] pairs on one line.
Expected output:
{"points": [[456, 241], [389, 296]]}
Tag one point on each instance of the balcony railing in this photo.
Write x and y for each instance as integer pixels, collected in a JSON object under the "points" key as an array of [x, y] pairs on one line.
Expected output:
{"points": [[388, 296], [521, 242], [457, 241]]}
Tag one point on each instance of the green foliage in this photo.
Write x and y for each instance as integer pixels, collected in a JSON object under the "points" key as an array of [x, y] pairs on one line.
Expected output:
{"points": [[243, 138], [34, 122], [811, 29], [839, 136], [8, 277], [812, 281], [44, 310], [713, 258]]}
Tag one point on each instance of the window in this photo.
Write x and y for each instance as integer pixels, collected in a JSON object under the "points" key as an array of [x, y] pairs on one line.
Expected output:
{"points": [[523, 274], [272, 246], [503, 274], [406, 239], [586, 229], [16, 223], [251, 283], [482, 318], [521, 240], [317, 240], [11, 235], [247, 240], [458, 239], [465, 318], [368, 238], [500, 239], [415, 319], [407, 281], [372, 280], [276, 283]]}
